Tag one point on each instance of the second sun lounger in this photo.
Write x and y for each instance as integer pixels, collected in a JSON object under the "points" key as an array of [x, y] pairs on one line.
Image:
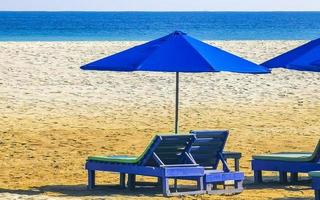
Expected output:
{"points": [[292, 162], [166, 157], [207, 152]]}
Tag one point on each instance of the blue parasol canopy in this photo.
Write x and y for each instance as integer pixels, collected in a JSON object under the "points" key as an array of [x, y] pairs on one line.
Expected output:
{"points": [[303, 58], [176, 52]]}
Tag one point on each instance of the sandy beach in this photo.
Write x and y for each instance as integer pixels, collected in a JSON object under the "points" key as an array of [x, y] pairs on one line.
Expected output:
{"points": [[54, 115]]}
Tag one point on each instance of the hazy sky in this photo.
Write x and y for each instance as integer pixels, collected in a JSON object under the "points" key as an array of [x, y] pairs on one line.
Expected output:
{"points": [[161, 5]]}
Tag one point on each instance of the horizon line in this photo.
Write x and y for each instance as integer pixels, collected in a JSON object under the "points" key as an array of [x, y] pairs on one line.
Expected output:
{"points": [[159, 11]]}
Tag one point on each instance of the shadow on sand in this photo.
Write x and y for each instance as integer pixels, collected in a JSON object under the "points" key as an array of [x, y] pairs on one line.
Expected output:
{"points": [[272, 182], [81, 191], [294, 198], [115, 190]]}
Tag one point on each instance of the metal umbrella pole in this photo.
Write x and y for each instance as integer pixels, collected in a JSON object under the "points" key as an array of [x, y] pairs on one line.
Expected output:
{"points": [[176, 125]]}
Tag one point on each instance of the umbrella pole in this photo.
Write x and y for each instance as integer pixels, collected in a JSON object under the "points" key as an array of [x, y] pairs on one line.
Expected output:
{"points": [[176, 125]]}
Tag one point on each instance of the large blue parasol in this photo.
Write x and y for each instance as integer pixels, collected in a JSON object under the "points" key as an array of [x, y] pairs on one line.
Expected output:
{"points": [[176, 52]]}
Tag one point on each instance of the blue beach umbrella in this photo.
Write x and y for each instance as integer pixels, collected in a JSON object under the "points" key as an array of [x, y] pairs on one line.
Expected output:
{"points": [[176, 52], [304, 58]]}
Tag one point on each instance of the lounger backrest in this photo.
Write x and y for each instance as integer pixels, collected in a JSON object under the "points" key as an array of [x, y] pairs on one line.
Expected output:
{"points": [[170, 149], [205, 150], [316, 153]]}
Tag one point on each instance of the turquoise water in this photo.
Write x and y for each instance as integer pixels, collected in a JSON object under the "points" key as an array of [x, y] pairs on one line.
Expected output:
{"points": [[80, 26]]}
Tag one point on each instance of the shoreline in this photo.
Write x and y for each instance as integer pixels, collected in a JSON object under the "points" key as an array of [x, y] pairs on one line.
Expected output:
{"points": [[141, 41]]}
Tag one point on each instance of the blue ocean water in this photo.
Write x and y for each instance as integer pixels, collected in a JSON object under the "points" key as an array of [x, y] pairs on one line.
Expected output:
{"points": [[79, 26]]}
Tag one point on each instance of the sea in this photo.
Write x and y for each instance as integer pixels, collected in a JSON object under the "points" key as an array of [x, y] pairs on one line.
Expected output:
{"points": [[113, 26]]}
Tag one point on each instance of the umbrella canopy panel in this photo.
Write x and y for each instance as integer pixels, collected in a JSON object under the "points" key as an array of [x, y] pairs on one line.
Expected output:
{"points": [[304, 58], [176, 52]]}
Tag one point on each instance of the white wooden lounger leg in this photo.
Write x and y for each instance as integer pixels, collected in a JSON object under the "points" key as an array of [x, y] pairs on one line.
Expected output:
{"points": [[165, 187], [200, 186]]}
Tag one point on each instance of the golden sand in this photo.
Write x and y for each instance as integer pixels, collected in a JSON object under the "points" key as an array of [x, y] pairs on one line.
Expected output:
{"points": [[53, 115]]}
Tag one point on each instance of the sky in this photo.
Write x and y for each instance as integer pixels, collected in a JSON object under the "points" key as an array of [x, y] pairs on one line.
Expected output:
{"points": [[160, 5]]}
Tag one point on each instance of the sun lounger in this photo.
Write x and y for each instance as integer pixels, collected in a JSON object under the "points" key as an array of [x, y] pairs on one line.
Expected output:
{"points": [[315, 175], [207, 152], [284, 162], [167, 156]]}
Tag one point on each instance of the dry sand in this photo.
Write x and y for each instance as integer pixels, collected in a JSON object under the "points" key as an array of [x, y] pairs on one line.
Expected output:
{"points": [[53, 115]]}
